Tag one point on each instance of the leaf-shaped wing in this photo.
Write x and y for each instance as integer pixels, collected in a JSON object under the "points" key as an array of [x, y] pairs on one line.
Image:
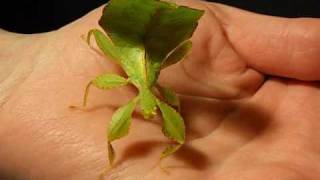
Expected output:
{"points": [[125, 21], [170, 26], [145, 31]]}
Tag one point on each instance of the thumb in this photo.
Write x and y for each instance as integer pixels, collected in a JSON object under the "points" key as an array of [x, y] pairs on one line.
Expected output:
{"points": [[273, 45]]}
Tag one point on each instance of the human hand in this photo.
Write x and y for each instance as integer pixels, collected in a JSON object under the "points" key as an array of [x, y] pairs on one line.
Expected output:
{"points": [[252, 113]]}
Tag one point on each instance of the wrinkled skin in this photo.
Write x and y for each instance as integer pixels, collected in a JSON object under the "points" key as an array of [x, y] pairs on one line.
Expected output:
{"points": [[253, 113]]}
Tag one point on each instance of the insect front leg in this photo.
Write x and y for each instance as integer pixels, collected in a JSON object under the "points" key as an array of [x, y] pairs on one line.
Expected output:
{"points": [[105, 44]]}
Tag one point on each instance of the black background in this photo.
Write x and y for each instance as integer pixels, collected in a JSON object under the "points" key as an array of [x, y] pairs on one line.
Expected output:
{"points": [[33, 16]]}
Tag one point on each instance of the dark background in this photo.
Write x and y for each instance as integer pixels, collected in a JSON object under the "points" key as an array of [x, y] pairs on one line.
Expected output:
{"points": [[33, 16]]}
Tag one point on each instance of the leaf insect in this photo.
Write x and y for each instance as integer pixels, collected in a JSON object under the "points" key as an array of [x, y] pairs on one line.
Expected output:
{"points": [[143, 37]]}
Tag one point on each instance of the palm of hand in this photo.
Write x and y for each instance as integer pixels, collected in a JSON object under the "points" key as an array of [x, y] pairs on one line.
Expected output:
{"points": [[264, 130]]}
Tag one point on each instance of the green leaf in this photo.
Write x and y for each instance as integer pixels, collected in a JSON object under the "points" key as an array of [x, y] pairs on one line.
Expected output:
{"points": [[170, 150], [107, 81], [145, 31], [173, 125], [177, 54], [121, 121], [170, 96], [105, 44], [147, 103], [123, 21]]}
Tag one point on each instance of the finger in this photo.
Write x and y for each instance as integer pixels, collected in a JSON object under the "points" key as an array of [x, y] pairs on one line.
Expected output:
{"points": [[277, 46]]}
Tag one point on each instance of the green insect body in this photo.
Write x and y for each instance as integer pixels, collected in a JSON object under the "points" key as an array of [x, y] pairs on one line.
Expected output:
{"points": [[143, 37]]}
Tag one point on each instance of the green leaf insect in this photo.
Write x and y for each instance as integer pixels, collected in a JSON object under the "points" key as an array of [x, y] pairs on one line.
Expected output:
{"points": [[143, 37]]}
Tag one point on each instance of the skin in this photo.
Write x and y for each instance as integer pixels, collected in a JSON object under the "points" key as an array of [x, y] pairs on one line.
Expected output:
{"points": [[250, 98]]}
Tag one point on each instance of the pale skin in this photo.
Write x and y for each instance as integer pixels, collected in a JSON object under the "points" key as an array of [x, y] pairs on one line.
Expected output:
{"points": [[250, 99]]}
